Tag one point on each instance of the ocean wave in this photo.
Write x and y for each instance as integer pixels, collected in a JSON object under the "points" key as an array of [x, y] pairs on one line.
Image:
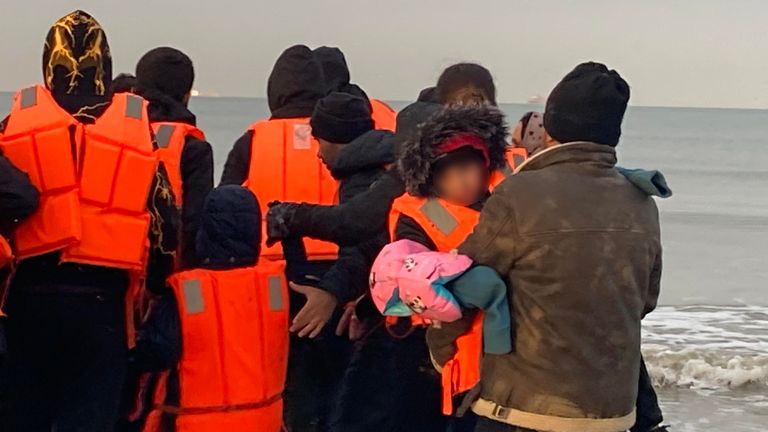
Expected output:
{"points": [[707, 347], [706, 371]]}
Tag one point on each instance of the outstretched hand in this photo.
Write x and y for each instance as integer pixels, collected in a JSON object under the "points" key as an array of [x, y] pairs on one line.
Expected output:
{"points": [[316, 313]]}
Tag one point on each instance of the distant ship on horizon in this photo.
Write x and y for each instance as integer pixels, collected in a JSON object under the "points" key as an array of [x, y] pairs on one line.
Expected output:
{"points": [[196, 92], [536, 100]]}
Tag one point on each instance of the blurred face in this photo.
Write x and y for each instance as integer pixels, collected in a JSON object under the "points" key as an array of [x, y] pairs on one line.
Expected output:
{"points": [[463, 183], [328, 151]]}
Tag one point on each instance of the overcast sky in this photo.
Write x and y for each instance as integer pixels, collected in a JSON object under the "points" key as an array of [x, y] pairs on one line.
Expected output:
{"points": [[709, 53]]}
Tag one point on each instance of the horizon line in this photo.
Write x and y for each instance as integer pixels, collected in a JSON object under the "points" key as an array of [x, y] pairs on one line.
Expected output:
{"points": [[399, 101]]}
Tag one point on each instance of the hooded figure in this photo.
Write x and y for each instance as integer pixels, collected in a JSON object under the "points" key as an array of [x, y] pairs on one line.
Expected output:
{"points": [[67, 321], [229, 238], [77, 65], [336, 71], [294, 87], [337, 80], [419, 154]]}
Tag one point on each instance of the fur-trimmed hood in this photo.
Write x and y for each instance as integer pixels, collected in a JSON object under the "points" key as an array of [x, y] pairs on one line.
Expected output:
{"points": [[418, 154]]}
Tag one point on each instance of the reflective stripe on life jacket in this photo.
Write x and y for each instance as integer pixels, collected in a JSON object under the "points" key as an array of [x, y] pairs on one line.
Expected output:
{"points": [[448, 225], [284, 166], [384, 117], [94, 180], [170, 138], [234, 326]]}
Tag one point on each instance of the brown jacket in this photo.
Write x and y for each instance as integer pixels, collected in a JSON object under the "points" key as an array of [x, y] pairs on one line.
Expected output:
{"points": [[580, 248]]}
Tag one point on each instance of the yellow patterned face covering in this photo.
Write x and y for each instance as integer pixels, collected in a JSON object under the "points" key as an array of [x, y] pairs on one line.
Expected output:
{"points": [[76, 57]]}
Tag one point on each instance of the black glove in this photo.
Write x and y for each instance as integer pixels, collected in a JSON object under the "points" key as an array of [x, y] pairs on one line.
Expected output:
{"points": [[279, 217]]}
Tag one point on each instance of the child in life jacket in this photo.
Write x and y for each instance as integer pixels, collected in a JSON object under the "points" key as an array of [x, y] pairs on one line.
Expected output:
{"points": [[221, 329], [446, 168]]}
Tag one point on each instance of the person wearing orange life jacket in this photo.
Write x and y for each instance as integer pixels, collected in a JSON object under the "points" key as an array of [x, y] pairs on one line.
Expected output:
{"points": [[462, 83], [222, 328], [278, 157], [106, 217], [164, 78], [337, 79], [356, 156], [447, 169]]}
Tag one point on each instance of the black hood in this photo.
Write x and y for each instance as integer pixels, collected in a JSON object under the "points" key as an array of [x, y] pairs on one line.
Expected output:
{"points": [[230, 232], [77, 65], [418, 154], [373, 149], [295, 84], [164, 108], [336, 72]]}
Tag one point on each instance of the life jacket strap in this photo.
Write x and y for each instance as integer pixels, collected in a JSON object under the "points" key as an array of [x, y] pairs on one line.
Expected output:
{"points": [[178, 411]]}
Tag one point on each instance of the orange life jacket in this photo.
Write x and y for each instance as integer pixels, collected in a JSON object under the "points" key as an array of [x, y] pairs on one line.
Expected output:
{"points": [[448, 225], [234, 326], [384, 117], [6, 254], [94, 180], [170, 138], [284, 166], [515, 157]]}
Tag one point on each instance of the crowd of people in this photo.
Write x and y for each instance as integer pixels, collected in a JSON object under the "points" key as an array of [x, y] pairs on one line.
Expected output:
{"points": [[356, 269]]}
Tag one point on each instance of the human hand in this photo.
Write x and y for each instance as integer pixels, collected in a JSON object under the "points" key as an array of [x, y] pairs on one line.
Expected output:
{"points": [[350, 323], [316, 313]]}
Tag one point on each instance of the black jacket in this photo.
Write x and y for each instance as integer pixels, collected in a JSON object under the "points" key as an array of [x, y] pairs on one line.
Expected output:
{"points": [[196, 169], [294, 87], [18, 197], [368, 213], [359, 165], [363, 216]]}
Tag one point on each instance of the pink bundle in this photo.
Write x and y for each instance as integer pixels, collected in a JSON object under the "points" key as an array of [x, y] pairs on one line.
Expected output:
{"points": [[407, 278]]}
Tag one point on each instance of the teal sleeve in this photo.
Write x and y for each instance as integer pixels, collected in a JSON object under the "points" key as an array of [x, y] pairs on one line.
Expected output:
{"points": [[482, 288]]}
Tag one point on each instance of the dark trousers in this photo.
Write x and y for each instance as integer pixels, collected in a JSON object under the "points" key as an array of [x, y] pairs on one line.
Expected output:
{"points": [[315, 370], [391, 386], [648, 410], [66, 365]]}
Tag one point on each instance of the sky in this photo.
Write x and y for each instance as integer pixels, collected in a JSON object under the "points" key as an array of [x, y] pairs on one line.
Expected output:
{"points": [[698, 53]]}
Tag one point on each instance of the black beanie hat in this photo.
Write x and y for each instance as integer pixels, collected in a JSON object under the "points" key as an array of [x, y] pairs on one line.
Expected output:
{"points": [[167, 70], [340, 118], [587, 105]]}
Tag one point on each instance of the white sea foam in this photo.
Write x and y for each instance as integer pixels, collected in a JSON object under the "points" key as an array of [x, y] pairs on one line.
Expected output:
{"points": [[707, 348]]}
